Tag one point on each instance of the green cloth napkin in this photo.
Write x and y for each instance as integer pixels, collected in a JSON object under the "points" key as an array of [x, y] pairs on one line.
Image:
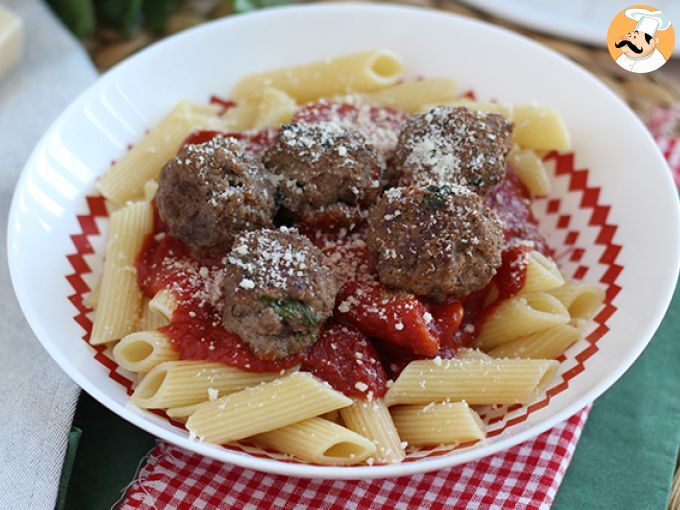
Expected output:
{"points": [[627, 453]]}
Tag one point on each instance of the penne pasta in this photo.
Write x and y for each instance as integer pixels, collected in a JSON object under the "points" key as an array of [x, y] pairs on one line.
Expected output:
{"points": [[143, 162], [92, 297], [150, 189], [274, 108], [284, 401], [530, 170], [540, 128], [413, 95], [242, 116], [143, 350], [164, 303], [580, 299], [520, 316], [541, 274], [181, 383], [467, 354], [546, 344], [181, 414], [319, 441], [120, 300], [372, 420], [440, 423], [359, 72], [478, 382], [152, 319]]}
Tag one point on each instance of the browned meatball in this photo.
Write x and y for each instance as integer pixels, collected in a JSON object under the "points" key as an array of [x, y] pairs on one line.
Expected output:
{"points": [[278, 292], [212, 191], [435, 241], [453, 146], [322, 166]]}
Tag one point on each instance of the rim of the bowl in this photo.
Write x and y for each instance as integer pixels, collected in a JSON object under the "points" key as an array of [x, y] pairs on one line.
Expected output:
{"points": [[337, 472]]}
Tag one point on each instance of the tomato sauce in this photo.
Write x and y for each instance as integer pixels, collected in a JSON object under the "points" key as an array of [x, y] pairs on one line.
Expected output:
{"points": [[383, 330], [345, 358], [196, 329], [511, 201]]}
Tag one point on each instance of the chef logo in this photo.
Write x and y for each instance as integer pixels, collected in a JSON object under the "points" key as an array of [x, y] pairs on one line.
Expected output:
{"points": [[640, 39]]}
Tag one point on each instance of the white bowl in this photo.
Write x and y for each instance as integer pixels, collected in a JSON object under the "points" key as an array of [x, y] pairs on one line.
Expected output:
{"points": [[626, 235]]}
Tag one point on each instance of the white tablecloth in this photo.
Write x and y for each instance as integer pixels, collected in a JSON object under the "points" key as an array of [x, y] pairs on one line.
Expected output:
{"points": [[37, 399]]}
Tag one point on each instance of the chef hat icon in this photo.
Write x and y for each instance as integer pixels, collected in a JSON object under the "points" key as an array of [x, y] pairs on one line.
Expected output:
{"points": [[648, 21]]}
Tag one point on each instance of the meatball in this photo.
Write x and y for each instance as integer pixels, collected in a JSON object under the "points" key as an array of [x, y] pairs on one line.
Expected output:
{"points": [[435, 242], [453, 146], [278, 292], [212, 191], [322, 166]]}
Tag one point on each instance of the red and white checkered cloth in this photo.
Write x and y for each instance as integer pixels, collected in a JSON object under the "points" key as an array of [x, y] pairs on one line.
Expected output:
{"points": [[524, 477], [664, 124]]}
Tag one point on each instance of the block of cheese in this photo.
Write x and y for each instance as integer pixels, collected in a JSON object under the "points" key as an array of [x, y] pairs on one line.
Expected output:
{"points": [[11, 41]]}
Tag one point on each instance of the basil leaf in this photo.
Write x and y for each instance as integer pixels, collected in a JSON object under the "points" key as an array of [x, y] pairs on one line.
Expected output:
{"points": [[294, 310]]}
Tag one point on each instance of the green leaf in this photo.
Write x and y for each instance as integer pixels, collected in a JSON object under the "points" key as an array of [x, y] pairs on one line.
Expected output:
{"points": [[157, 12], [435, 196], [241, 6], [77, 15], [123, 15], [294, 310]]}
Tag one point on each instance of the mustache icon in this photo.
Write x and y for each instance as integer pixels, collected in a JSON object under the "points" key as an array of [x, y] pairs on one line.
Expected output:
{"points": [[626, 42]]}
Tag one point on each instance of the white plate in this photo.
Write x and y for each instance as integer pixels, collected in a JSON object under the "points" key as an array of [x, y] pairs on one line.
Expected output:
{"points": [[585, 21], [609, 141]]}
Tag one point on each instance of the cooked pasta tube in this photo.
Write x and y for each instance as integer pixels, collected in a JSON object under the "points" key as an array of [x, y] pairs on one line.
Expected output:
{"points": [[92, 297], [143, 162], [540, 128], [150, 189], [319, 441], [467, 353], [359, 72], [151, 318], [142, 350], [180, 383], [413, 95], [520, 316], [274, 108], [372, 420], [242, 116], [478, 382], [119, 305], [541, 274], [164, 303], [284, 401], [546, 344], [580, 299], [530, 170], [438, 423], [181, 414]]}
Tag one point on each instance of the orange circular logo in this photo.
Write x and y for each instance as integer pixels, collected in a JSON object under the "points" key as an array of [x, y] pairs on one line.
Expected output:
{"points": [[641, 38]]}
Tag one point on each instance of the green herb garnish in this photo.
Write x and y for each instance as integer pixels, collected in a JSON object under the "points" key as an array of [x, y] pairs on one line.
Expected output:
{"points": [[294, 311], [436, 196]]}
